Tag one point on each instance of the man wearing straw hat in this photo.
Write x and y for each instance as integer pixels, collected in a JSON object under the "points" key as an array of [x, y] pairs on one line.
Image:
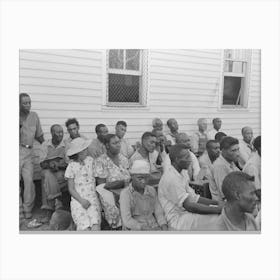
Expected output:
{"points": [[139, 205]]}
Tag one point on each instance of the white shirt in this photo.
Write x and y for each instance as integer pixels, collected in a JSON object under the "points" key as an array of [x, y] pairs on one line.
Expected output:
{"points": [[211, 134], [245, 151], [253, 168]]}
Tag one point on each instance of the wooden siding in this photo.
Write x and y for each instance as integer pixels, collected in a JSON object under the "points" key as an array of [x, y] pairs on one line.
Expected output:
{"points": [[183, 84]]}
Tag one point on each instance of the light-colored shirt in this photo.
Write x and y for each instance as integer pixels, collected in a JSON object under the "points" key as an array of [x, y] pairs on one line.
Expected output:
{"points": [[137, 209], [224, 224], [171, 137], [198, 142], [49, 151], [96, 148], [30, 128], [211, 134], [253, 168], [221, 168], [245, 151], [206, 167], [126, 149], [173, 190]]}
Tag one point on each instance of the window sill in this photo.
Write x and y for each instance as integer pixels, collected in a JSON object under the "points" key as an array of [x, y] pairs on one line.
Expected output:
{"points": [[233, 108], [128, 107]]}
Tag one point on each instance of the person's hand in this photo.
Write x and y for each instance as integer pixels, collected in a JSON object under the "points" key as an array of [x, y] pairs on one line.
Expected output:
{"points": [[85, 203], [221, 203], [164, 227]]}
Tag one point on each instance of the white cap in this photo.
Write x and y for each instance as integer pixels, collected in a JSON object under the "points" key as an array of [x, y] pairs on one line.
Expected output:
{"points": [[140, 167], [77, 145]]}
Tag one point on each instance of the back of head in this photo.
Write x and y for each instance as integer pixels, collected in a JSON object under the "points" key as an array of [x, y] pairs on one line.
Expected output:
{"points": [[98, 127], [227, 142], [60, 220], [235, 182], [257, 143], [219, 136], [175, 151], [156, 122]]}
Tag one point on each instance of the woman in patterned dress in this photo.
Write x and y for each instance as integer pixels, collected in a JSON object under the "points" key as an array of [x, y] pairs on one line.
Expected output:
{"points": [[111, 172], [85, 206]]}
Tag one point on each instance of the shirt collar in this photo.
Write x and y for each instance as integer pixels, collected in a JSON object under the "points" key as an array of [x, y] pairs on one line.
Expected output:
{"points": [[133, 191], [50, 143], [226, 162]]}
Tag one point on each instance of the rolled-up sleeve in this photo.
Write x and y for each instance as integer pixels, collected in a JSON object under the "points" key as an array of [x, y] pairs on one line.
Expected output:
{"points": [[127, 219]]}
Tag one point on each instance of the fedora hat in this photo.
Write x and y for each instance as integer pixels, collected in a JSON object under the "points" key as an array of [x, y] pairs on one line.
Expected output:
{"points": [[140, 167], [77, 145]]}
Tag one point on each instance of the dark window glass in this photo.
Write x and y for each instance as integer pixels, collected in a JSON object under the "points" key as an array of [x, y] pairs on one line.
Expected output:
{"points": [[232, 86]]}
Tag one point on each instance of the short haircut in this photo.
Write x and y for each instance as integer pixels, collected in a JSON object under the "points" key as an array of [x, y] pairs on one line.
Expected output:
{"points": [[244, 128], [219, 136], [156, 121], [257, 143], [61, 218], [98, 127], [108, 137], [72, 121], [179, 135], [147, 135], [233, 182], [227, 142], [53, 126], [215, 119], [175, 150], [210, 142], [169, 120], [23, 94], [121, 123]]}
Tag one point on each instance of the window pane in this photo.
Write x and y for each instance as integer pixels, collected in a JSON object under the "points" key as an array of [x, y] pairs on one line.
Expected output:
{"points": [[123, 88], [116, 59], [232, 86], [132, 59]]}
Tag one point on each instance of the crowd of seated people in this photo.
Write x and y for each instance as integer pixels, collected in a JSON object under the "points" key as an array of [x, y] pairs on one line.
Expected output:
{"points": [[147, 186]]}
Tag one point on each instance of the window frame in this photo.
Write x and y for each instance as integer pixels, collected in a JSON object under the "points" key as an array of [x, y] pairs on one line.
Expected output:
{"points": [[245, 84], [143, 83]]}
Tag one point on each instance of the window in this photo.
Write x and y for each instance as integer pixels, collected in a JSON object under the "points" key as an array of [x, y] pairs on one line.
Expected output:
{"points": [[235, 77], [126, 77]]}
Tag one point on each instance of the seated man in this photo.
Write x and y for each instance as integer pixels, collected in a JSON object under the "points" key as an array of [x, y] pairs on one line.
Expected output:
{"points": [[52, 162], [147, 152], [240, 193], [173, 127], [253, 165], [126, 149], [97, 146], [184, 210], [140, 208], [223, 165], [199, 138], [245, 145], [209, 156]]}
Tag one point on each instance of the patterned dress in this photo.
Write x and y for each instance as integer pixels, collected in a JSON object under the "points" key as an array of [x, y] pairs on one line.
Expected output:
{"points": [[105, 168], [85, 186]]}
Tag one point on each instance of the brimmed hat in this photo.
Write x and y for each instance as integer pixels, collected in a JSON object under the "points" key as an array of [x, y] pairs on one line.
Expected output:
{"points": [[140, 167], [77, 145]]}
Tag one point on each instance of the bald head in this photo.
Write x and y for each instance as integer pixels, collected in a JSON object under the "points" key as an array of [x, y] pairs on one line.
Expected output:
{"points": [[157, 124], [183, 138]]}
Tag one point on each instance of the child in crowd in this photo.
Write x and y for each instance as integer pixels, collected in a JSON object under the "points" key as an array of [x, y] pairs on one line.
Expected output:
{"points": [[85, 207]]}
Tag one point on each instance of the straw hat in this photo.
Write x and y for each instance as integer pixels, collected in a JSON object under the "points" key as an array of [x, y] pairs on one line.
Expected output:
{"points": [[77, 145], [140, 167]]}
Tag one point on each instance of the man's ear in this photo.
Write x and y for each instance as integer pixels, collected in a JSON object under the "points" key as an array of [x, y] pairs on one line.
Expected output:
{"points": [[237, 195]]}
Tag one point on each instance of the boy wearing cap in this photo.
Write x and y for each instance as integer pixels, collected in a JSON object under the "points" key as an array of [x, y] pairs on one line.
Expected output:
{"points": [[139, 205]]}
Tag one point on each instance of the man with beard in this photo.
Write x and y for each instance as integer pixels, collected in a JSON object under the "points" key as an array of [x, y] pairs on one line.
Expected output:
{"points": [[29, 130], [97, 147]]}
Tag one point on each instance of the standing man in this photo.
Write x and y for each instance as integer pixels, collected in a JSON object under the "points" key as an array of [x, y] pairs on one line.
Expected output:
{"points": [[30, 130], [200, 138], [126, 149], [217, 123], [97, 146], [173, 127], [245, 145], [223, 165], [53, 164]]}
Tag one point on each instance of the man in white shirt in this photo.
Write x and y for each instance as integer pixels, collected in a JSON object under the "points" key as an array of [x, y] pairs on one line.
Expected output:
{"points": [[245, 145], [199, 138], [217, 123], [173, 127], [126, 149], [184, 210]]}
